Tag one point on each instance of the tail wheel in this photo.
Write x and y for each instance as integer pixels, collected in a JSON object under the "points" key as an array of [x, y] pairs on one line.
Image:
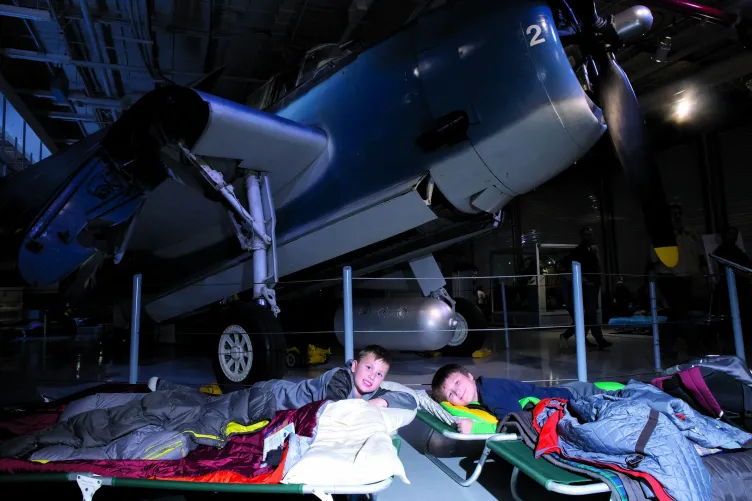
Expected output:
{"points": [[251, 345], [469, 330], [294, 359]]}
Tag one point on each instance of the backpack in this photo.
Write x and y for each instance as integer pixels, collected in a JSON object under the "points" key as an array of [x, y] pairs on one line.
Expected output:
{"points": [[717, 386]]}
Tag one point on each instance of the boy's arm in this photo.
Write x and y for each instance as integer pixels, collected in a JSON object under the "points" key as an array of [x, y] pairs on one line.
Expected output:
{"points": [[331, 385], [397, 399]]}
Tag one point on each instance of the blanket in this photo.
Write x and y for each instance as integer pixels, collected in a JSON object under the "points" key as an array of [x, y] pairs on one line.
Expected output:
{"points": [[640, 431], [622, 487], [240, 460], [352, 445]]}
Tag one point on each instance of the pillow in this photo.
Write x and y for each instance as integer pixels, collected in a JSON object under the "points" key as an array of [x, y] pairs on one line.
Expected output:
{"points": [[352, 446], [397, 418]]}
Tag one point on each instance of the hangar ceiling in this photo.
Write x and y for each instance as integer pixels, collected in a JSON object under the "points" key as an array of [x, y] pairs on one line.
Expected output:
{"points": [[71, 67]]}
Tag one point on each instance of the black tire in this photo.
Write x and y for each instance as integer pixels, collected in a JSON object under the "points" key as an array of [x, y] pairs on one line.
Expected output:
{"points": [[475, 320], [294, 359], [268, 346]]}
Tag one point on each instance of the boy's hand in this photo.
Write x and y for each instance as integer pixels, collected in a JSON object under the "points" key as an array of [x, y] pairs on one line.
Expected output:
{"points": [[464, 425], [378, 402]]}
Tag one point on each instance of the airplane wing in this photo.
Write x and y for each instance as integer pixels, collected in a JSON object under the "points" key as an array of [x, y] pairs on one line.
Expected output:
{"points": [[260, 141], [104, 181], [213, 127]]}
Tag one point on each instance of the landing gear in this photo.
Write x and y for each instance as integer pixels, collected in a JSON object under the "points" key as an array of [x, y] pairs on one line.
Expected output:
{"points": [[467, 316], [466, 339], [250, 347]]}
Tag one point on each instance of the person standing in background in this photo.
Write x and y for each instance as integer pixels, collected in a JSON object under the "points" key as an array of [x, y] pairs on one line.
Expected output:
{"points": [[678, 283], [591, 286]]}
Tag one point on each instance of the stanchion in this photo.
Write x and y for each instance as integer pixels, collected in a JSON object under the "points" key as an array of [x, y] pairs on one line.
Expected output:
{"points": [[506, 321], [135, 327], [348, 307], [579, 321], [736, 320], [656, 340]]}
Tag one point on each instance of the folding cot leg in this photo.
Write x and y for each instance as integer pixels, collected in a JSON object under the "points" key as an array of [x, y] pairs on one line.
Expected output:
{"points": [[513, 484], [463, 482], [88, 486]]}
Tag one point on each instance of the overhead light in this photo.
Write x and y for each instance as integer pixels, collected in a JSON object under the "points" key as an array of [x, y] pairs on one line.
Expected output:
{"points": [[686, 106], [683, 109], [661, 53]]}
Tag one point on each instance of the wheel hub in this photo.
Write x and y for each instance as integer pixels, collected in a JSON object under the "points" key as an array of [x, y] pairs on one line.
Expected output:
{"points": [[235, 353], [461, 330]]}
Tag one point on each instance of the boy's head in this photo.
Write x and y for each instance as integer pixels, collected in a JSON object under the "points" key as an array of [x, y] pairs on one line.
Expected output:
{"points": [[454, 384], [370, 367]]}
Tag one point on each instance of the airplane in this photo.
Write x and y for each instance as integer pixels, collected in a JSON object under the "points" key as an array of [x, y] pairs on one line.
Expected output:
{"points": [[467, 106]]}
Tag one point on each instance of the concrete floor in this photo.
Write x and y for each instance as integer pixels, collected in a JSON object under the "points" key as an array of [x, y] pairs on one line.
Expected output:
{"points": [[60, 366]]}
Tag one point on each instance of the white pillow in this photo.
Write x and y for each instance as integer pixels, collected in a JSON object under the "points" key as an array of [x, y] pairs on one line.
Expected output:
{"points": [[352, 446], [397, 418]]}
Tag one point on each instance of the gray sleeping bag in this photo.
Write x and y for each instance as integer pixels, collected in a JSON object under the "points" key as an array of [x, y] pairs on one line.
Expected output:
{"points": [[150, 442], [164, 424]]}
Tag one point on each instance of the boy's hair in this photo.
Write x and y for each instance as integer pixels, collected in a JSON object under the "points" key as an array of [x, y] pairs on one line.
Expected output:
{"points": [[441, 376], [378, 352]]}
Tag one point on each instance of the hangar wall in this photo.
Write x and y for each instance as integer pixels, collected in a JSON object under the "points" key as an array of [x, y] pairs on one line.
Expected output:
{"points": [[598, 196]]}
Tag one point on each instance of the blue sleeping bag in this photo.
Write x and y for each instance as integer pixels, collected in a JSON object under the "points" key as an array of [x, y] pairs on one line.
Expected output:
{"points": [[636, 320]]}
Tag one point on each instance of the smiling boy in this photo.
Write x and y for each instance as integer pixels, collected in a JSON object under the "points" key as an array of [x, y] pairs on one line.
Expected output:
{"points": [[360, 378], [454, 384]]}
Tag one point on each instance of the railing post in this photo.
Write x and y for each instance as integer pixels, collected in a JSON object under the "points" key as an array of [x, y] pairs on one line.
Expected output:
{"points": [[135, 328], [654, 315], [736, 320], [506, 321], [348, 306], [579, 321]]}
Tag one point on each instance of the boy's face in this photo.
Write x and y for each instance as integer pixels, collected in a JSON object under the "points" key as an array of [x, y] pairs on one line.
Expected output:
{"points": [[368, 373], [460, 390]]}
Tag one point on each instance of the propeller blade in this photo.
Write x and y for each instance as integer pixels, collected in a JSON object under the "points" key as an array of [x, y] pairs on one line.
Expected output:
{"points": [[626, 128]]}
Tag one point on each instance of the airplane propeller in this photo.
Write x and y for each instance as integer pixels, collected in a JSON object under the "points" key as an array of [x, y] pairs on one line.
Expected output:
{"points": [[623, 116], [627, 131]]}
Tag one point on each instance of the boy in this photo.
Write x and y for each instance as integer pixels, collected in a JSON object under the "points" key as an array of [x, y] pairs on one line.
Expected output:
{"points": [[361, 378], [454, 384]]}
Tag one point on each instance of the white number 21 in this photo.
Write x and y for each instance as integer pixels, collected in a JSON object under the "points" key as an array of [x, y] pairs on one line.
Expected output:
{"points": [[536, 37]]}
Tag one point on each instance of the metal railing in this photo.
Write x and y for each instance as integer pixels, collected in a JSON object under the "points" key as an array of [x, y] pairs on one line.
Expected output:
{"points": [[578, 314]]}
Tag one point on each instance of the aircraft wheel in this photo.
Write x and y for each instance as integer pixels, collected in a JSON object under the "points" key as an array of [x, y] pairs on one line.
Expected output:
{"points": [[294, 359], [251, 346], [466, 339]]}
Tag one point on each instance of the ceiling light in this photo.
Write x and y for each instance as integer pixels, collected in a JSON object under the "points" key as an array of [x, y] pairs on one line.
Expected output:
{"points": [[683, 109]]}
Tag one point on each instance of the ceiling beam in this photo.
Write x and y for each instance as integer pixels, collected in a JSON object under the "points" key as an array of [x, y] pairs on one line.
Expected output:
{"points": [[24, 13], [15, 100], [43, 57], [69, 117], [82, 98]]}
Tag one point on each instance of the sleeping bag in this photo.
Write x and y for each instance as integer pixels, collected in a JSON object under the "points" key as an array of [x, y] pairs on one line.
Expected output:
{"points": [[136, 427], [641, 431], [718, 386], [483, 421]]}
